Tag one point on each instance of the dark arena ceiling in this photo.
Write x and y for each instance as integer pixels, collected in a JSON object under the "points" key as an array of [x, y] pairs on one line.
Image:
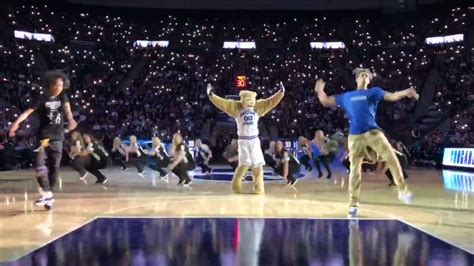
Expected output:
{"points": [[402, 5]]}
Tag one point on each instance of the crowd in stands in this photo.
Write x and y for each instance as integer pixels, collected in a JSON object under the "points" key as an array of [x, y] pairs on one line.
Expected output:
{"points": [[168, 93]]}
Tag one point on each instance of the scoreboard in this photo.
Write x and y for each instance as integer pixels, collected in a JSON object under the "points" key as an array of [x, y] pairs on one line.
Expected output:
{"points": [[241, 82]]}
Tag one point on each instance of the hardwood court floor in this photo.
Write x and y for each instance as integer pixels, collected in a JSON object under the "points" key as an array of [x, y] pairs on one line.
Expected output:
{"points": [[443, 205]]}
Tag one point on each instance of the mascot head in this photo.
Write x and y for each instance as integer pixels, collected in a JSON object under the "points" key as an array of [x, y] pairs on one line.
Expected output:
{"points": [[248, 98]]}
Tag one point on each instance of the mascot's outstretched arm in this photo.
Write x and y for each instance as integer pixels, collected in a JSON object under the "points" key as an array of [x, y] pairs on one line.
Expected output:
{"points": [[262, 107], [229, 107]]}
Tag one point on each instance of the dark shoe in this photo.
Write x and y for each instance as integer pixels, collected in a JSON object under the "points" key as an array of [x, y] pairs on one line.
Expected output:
{"points": [[293, 182], [103, 181]]}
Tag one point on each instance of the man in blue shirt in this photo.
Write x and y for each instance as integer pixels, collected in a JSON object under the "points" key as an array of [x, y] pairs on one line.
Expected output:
{"points": [[361, 107]]}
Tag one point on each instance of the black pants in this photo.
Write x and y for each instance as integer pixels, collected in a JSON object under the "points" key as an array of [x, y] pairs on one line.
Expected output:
{"points": [[233, 165], [346, 163], [181, 170], [201, 162], [304, 160], [84, 164], [48, 161], [159, 164], [117, 157], [270, 162], [137, 162], [325, 160], [78, 164], [292, 171], [26, 157]]}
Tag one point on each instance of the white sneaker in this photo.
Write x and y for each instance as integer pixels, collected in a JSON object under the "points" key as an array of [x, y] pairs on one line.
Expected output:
{"points": [[293, 182], [83, 178], [405, 197], [353, 213], [166, 178], [49, 204], [46, 197], [141, 174]]}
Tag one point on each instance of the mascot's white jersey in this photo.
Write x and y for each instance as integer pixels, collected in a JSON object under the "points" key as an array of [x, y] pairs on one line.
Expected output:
{"points": [[247, 123]]}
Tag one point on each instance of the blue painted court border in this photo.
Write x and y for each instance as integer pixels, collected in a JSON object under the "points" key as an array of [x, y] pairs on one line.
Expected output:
{"points": [[342, 233]]}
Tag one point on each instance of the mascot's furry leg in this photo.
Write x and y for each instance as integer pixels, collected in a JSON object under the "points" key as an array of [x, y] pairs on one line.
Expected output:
{"points": [[240, 172], [258, 180]]}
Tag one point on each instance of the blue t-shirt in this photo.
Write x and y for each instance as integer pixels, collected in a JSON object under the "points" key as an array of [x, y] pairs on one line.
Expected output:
{"points": [[361, 107], [315, 151]]}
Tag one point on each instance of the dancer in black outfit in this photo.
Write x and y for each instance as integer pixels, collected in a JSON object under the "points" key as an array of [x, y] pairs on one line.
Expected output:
{"points": [[204, 155], [134, 155], [287, 165], [77, 147], [93, 159], [161, 159], [51, 108], [118, 153], [307, 156], [182, 160], [328, 148]]}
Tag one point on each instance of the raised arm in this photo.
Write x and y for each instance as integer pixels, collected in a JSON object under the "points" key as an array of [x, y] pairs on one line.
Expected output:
{"points": [[262, 107], [397, 96], [19, 120], [324, 99], [229, 107]]}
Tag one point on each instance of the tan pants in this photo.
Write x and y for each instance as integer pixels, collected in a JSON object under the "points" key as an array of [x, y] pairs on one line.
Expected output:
{"points": [[380, 149]]}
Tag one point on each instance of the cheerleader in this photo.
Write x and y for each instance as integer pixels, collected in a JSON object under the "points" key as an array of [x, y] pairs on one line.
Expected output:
{"points": [[204, 155], [182, 160], [161, 158], [286, 164], [92, 159], [118, 152], [75, 152], [307, 153], [133, 154], [97, 158], [328, 149]]}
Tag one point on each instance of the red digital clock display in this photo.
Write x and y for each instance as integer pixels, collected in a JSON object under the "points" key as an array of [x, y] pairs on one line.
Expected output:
{"points": [[241, 82]]}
